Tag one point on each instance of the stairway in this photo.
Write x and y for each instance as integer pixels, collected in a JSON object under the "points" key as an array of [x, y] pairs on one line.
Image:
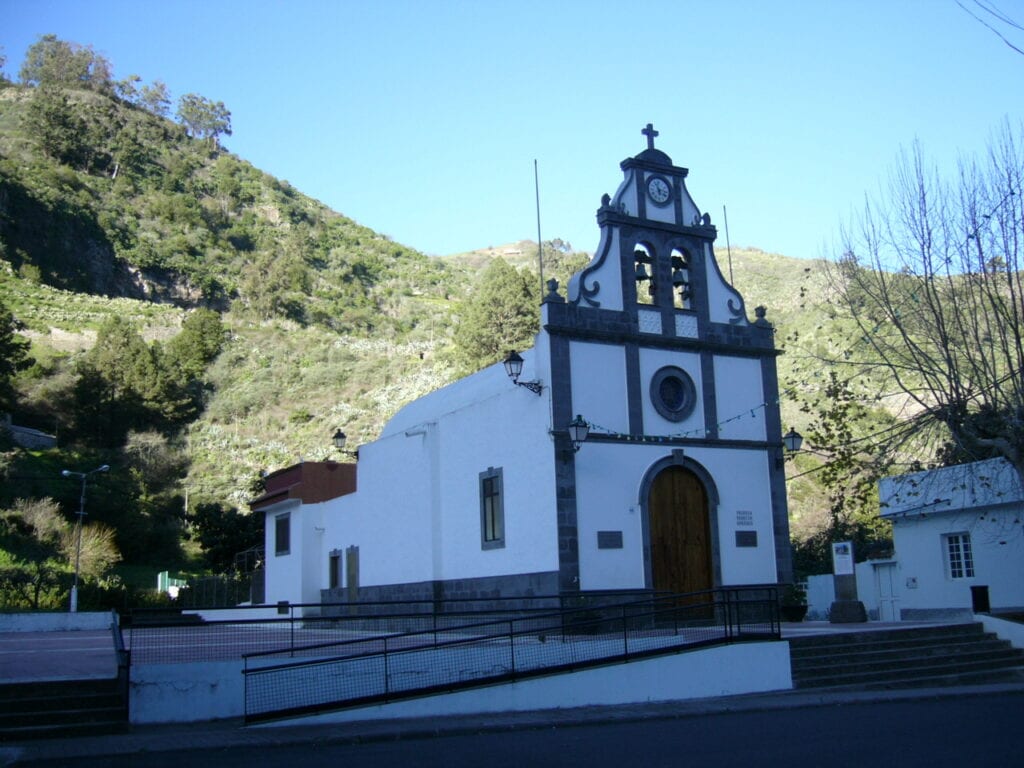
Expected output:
{"points": [[59, 708], [959, 654]]}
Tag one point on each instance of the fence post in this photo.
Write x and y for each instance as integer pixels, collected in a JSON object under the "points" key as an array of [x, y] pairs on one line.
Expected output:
{"points": [[387, 687], [625, 634], [291, 633], [512, 646]]}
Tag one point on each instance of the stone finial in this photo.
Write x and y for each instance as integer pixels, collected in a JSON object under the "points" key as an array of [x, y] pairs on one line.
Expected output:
{"points": [[553, 291]]}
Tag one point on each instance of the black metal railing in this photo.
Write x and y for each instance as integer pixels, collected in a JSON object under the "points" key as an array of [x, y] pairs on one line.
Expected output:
{"points": [[175, 635], [372, 667]]}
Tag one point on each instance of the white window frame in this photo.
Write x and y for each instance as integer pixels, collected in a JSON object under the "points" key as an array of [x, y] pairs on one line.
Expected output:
{"points": [[959, 555]]}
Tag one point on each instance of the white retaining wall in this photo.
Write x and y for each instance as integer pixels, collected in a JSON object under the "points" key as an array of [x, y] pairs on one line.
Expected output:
{"points": [[720, 671], [55, 622], [185, 693]]}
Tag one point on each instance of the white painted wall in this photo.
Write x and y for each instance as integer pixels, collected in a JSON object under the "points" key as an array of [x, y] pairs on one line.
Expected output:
{"points": [[722, 297], [598, 373], [742, 478], [821, 591], [416, 514], [721, 671], [739, 390], [1010, 631], [283, 572], [608, 275], [651, 360], [998, 549], [983, 499], [609, 478], [186, 693]]}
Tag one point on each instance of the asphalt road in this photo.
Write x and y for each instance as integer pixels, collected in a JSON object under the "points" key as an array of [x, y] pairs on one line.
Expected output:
{"points": [[952, 731]]}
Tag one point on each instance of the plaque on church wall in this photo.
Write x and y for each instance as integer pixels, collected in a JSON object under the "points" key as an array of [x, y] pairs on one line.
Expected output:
{"points": [[746, 538], [744, 518], [609, 539]]}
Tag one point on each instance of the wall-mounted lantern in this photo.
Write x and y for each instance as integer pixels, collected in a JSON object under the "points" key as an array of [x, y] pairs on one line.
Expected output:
{"points": [[793, 440], [578, 430], [514, 368], [339, 439]]}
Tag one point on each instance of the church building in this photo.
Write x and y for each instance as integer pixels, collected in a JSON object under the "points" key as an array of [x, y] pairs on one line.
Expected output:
{"points": [[636, 446]]}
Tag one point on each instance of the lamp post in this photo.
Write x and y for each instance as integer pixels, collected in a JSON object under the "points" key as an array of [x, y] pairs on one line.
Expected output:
{"points": [[793, 440], [83, 476]]}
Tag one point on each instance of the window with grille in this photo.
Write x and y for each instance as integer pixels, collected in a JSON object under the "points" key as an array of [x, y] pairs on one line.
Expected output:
{"points": [[958, 552], [492, 513]]}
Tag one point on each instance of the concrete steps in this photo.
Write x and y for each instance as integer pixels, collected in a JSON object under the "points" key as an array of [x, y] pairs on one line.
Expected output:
{"points": [[62, 708], [960, 654]]}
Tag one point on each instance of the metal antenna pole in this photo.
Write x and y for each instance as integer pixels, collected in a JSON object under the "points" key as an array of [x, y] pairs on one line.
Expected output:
{"points": [[540, 249], [728, 248]]}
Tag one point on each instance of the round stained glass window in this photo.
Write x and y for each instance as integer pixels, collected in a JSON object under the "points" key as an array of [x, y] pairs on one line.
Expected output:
{"points": [[673, 393]]}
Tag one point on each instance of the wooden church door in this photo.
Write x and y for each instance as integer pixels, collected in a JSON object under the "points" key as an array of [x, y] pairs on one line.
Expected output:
{"points": [[680, 534]]}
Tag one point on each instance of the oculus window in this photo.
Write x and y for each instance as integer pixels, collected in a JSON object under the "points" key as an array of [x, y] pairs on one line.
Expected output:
{"points": [[673, 393], [492, 509]]}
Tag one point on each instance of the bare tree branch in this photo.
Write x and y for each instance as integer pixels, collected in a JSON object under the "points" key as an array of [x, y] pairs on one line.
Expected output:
{"points": [[999, 15]]}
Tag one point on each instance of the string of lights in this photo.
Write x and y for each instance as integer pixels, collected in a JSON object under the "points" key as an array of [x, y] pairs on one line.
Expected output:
{"points": [[749, 413]]}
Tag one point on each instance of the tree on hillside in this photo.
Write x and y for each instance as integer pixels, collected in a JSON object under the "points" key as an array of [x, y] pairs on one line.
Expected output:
{"points": [[50, 61], [122, 384], [931, 276], [13, 358], [56, 126], [847, 469], [38, 547], [224, 533], [200, 341], [204, 118], [502, 314], [156, 98]]}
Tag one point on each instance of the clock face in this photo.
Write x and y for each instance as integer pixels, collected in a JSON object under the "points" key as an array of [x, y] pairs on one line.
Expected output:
{"points": [[659, 190]]}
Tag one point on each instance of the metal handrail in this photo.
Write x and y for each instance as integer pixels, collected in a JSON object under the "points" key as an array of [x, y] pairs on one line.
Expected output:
{"points": [[729, 626]]}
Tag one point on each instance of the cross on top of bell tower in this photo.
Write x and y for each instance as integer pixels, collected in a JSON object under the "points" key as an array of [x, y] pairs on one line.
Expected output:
{"points": [[650, 133]]}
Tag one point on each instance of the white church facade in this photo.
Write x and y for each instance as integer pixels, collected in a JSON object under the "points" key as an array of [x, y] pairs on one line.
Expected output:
{"points": [[478, 491]]}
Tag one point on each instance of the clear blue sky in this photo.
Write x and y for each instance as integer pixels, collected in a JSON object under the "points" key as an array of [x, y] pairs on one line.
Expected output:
{"points": [[422, 118]]}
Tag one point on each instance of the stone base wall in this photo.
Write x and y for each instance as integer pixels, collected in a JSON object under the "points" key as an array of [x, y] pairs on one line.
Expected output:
{"points": [[936, 614], [484, 592]]}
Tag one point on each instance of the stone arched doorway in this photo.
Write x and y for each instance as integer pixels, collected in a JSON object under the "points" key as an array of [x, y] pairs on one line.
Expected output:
{"points": [[679, 532]]}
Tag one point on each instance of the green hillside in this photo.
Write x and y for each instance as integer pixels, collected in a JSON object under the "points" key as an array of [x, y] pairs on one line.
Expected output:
{"points": [[116, 237]]}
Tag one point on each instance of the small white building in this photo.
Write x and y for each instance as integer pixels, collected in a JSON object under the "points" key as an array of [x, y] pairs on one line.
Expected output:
{"points": [[477, 491], [959, 539]]}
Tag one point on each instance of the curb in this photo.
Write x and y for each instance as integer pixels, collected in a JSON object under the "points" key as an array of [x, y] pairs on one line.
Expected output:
{"points": [[226, 734]]}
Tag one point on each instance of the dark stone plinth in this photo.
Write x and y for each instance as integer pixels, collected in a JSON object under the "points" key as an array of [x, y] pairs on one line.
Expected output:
{"points": [[847, 612]]}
